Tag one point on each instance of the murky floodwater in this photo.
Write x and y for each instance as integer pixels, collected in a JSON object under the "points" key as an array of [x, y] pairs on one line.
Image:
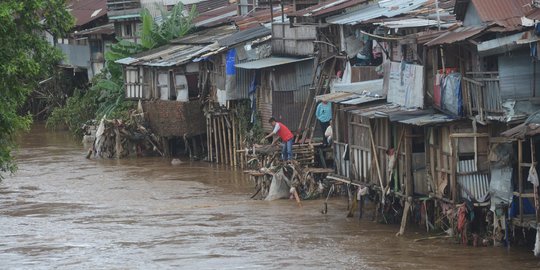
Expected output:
{"points": [[63, 211]]}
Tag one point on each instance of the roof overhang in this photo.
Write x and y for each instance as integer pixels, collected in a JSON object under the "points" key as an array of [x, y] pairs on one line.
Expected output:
{"points": [[271, 62]]}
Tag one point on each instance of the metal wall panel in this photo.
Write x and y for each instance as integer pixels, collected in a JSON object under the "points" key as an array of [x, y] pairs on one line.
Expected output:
{"points": [[516, 75], [342, 166], [285, 110], [472, 183]]}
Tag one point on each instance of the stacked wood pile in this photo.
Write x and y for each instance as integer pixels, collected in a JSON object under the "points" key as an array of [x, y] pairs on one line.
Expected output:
{"points": [[307, 182]]}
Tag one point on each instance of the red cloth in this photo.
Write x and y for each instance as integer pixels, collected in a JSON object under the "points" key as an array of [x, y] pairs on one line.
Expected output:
{"points": [[284, 133]]}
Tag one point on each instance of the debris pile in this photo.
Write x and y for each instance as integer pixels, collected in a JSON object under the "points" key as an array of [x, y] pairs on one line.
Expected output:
{"points": [[119, 138]]}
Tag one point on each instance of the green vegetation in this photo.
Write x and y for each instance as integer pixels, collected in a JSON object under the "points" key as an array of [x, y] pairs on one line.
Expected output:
{"points": [[26, 59], [252, 132], [106, 96]]}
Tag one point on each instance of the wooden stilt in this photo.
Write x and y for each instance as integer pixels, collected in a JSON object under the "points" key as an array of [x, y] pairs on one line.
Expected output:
{"points": [[406, 211], [223, 139], [208, 134], [229, 139], [235, 141], [216, 136]]}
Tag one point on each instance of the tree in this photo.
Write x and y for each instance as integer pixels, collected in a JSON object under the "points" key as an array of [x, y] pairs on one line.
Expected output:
{"points": [[25, 59]]}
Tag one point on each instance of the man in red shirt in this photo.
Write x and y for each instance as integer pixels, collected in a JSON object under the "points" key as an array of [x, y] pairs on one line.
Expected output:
{"points": [[285, 135]]}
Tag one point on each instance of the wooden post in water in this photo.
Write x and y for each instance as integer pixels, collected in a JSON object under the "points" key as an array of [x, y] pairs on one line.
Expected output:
{"points": [[229, 138], [208, 140], [216, 136], [235, 147], [223, 139], [118, 142]]}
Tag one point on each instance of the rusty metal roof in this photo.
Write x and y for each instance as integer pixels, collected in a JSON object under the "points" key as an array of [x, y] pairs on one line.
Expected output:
{"points": [[506, 13], [216, 16], [245, 35], [85, 11], [459, 34], [534, 14], [259, 17], [326, 8], [206, 36]]}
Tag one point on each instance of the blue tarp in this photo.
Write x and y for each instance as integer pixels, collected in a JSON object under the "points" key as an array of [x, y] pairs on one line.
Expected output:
{"points": [[451, 94]]}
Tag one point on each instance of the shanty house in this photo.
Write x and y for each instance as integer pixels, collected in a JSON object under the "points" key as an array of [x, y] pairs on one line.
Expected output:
{"points": [[167, 81], [84, 48]]}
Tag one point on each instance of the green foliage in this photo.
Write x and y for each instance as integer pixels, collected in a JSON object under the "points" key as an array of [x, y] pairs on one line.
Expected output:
{"points": [[106, 96], [77, 111], [253, 132], [26, 59], [174, 25]]}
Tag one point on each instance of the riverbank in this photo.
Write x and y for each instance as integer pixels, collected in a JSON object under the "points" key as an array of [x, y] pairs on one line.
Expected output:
{"points": [[63, 211]]}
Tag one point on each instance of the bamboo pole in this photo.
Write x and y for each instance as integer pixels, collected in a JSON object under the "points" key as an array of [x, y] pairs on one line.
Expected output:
{"points": [[376, 157], [535, 187], [220, 139], [224, 139], [230, 140], [208, 140], [520, 179], [216, 136], [235, 141]]}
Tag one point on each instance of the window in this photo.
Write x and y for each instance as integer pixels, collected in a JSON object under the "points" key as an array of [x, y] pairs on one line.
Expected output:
{"points": [[128, 30]]}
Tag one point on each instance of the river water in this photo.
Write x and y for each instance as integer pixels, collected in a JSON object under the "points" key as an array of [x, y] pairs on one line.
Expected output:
{"points": [[62, 211]]}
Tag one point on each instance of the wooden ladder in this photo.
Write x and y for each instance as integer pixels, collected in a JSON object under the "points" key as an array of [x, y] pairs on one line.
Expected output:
{"points": [[324, 72]]}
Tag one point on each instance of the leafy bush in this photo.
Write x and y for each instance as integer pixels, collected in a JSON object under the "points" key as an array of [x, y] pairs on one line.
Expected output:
{"points": [[78, 110]]}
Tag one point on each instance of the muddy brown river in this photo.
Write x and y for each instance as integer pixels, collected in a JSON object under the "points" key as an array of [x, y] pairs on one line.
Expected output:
{"points": [[62, 211]]}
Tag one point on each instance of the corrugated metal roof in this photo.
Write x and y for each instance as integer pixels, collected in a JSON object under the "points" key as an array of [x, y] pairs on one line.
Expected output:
{"points": [[531, 127], [473, 184], [216, 16], [85, 11], [506, 13], [204, 5], [270, 62], [534, 14], [412, 22], [396, 113], [379, 111], [257, 18], [361, 88], [326, 8], [385, 8], [420, 118], [166, 56], [107, 29], [349, 98], [459, 34], [244, 36], [207, 36]]}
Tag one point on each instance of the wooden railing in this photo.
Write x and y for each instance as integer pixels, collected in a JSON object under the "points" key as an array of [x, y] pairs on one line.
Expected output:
{"points": [[481, 94]]}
